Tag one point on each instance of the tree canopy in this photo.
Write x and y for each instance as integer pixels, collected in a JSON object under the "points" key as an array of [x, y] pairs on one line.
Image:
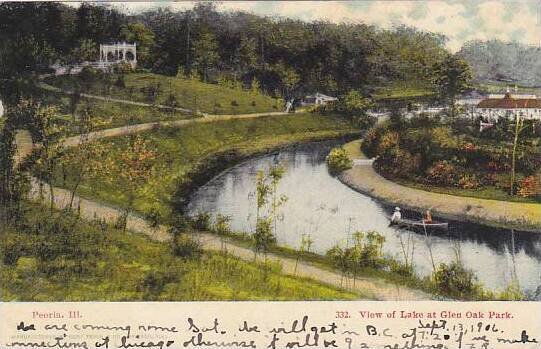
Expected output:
{"points": [[286, 56]]}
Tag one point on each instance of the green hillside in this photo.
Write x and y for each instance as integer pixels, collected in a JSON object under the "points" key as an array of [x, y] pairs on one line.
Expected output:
{"points": [[176, 91]]}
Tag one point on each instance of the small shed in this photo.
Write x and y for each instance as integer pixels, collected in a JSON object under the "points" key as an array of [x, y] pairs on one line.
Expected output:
{"points": [[318, 99]]}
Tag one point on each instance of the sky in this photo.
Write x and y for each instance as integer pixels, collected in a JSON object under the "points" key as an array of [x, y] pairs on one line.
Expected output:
{"points": [[458, 20]]}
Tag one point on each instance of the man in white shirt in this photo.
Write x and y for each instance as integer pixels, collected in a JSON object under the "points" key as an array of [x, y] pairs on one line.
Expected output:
{"points": [[397, 216]]}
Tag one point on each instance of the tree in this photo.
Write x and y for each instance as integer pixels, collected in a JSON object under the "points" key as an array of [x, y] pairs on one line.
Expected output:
{"points": [[206, 53], [288, 77], [266, 190], [50, 134], [451, 77], [355, 105], [247, 54], [517, 130], [222, 228], [305, 246], [143, 37], [338, 256], [14, 184], [275, 175], [87, 159], [262, 192], [134, 166], [86, 51]]}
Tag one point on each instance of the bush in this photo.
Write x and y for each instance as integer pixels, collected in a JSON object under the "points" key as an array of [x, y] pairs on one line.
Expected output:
{"points": [[400, 268], [441, 173], [234, 103], [202, 221], [171, 101], [185, 247], [468, 181], [154, 283], [529, 187], [398, 163], [338, 161], [388, 141], [456, 281], [371, 141], [120, 83]]}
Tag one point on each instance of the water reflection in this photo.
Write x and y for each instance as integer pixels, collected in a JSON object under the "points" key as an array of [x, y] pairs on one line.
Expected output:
{"points": [[330, 212]]}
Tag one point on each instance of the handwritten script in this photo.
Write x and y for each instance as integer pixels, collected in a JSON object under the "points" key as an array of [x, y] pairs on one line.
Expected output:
{"points": [[266, 325]]}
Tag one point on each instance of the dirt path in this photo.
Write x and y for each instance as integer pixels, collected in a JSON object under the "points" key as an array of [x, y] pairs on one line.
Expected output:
{"points": [[363, 178], [372, 288]]}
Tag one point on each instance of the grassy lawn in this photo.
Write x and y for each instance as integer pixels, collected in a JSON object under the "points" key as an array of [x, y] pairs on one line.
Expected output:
{"points": [[181, 149], [500, 87], [490, 193], [101, 263], [191, 94], [110, 114], [398, 91]]}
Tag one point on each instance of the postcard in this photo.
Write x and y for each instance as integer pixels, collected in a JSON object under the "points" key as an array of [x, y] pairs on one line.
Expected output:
{"points": [[270, 174]]}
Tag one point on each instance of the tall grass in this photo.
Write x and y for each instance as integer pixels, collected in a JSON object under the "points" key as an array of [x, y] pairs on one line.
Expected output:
{"points": [[61, 258]]}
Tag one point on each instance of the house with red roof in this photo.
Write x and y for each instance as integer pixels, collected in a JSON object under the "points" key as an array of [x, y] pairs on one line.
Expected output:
{"points": [[493, 108]]}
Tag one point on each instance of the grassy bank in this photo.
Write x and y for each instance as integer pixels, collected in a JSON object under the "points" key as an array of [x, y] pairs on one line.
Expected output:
{"points": [[62, 258], [489, 193], [186, 93], [182, 154]]}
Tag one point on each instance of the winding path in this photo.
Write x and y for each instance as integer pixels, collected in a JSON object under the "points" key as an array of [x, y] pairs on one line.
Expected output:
{"points": [[371, 288], [363, 178]]}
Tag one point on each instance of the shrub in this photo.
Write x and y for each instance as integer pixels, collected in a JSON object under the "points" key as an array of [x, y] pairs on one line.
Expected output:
{"points": [[441, 173], [201, 221], [489, 179], [512, 292], [400, 268], [171, 101], [468, 181], [185, 247], [253, 104], [529, 187], [234, 103], [119, 82], [155, 281], [456, 281], [338, 161], [398, 163], [370, 142], [12, 250], [222, 225], [388, 141]]}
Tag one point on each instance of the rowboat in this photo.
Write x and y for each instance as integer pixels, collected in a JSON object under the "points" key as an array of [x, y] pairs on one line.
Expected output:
{"points": [[420, 225]]}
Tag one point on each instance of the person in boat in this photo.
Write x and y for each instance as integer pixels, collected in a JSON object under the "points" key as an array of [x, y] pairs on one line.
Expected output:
{"points": [[397, 216], [427, 219]]}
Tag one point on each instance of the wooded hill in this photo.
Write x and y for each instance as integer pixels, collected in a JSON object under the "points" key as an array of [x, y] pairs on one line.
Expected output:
{"points": [[512, 63], [284, 56]]}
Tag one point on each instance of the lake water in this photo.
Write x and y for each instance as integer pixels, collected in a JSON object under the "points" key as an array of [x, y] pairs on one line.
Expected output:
{"points": [[320, 205]]}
